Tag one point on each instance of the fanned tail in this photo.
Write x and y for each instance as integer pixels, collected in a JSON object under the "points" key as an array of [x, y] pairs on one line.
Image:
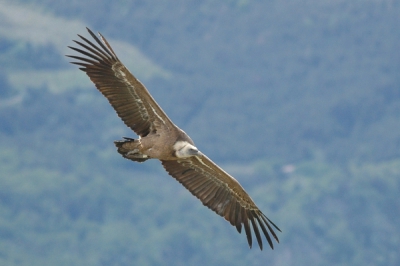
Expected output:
{"points": [[129, 149]]}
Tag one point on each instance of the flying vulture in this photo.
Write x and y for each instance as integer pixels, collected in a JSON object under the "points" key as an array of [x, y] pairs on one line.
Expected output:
{"points": [[159, 138]]}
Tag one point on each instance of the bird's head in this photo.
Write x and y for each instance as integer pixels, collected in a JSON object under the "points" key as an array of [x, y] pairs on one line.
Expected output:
{"points": [[184, 149]]}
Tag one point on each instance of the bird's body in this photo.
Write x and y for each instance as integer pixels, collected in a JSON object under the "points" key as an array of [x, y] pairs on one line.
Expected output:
{"points": [[159, 138]]}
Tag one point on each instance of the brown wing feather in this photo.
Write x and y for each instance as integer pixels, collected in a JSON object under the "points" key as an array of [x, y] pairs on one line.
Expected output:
{"points": [[127, 95], [223, 194]]}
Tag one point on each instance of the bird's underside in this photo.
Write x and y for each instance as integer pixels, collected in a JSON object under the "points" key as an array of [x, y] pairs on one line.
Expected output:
{"points": [[159, 138]]}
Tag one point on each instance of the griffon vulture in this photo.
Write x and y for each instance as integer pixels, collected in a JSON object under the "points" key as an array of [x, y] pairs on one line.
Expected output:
{"points": [[159, 138]]}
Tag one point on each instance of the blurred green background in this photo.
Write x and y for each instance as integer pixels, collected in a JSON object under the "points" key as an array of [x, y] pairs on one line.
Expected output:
{"points": [[299, 100]]}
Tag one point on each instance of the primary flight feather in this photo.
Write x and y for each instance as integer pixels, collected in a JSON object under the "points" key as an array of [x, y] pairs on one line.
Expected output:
{"points": [[159, 138]]}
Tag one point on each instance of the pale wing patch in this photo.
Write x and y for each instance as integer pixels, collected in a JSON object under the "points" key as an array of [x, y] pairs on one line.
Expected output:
{"points": [[143, 112], [119, 73], [205, 165], [158, 116]]}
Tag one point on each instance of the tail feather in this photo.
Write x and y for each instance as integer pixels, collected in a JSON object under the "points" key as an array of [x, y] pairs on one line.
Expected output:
{"points": [[129, 149]]}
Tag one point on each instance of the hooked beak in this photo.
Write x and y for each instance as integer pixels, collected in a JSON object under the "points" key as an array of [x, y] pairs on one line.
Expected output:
{"points": [[194, 152]]}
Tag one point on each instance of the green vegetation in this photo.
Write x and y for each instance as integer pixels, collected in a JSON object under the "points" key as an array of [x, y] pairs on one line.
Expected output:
{"points": [[308, 91]]}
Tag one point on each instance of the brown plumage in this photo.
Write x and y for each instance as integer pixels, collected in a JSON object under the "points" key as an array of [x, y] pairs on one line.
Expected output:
{"points": [[160, 138]]}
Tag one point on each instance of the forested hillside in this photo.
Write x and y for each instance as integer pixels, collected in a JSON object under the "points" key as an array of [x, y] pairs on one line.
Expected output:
{"points": [[299, 100]]}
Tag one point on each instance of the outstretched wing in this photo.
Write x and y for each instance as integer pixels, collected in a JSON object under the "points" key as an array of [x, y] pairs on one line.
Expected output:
{"points": [[127, 95], [223, 194]]}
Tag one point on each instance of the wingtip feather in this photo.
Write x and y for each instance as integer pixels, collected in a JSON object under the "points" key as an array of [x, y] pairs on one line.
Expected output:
{"points": [[251, 215]]}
